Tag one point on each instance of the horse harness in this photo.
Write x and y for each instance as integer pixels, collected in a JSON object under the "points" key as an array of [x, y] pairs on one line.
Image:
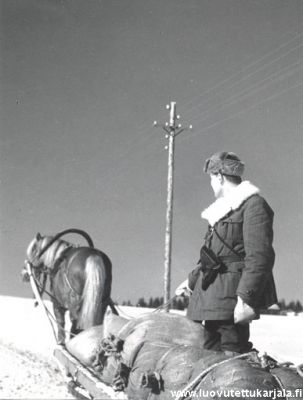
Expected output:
{"points": [[60, 263], [63, 262]]}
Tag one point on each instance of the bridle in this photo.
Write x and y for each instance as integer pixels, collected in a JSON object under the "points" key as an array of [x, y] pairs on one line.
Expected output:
{"points": [[53, 240], [41, 268]]}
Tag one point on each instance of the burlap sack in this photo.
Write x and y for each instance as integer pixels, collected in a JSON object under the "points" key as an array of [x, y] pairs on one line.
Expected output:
{"points": [[142, 378], [175, 369], [159, 328], [235, 379], [85, 346], [139, 345], [108, 372], [113, 324], [291, 381]]}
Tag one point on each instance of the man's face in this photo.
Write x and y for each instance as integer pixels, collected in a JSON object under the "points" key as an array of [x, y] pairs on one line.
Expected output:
{"points": [[216, 182]]}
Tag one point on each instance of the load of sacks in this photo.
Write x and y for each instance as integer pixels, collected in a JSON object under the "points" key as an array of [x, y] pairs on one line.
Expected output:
{"points": [[160, 356]]}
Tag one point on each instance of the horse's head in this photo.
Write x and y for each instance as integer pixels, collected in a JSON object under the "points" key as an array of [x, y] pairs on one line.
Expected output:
{"points": [[34, 258], [43, 251], [33, 251]]}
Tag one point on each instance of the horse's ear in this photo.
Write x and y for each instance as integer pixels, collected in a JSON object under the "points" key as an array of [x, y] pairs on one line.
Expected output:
{"points": [[38, 236]]}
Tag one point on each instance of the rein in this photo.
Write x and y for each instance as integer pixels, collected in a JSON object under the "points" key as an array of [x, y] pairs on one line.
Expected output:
{"points": [[165, 305], [48, 313], [41, 287]]}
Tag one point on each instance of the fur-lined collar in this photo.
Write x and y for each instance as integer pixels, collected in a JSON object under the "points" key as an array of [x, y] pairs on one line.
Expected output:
{"points": [[222, 206]]}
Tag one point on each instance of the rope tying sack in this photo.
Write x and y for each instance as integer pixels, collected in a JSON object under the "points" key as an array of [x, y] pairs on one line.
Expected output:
{"points": [[151, 380], [110, 345]]}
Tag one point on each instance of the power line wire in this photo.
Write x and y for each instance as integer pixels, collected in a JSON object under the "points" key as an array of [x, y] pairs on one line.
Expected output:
{"points": [[234, 75], [232, 85], [245, 110], [254, 89], [139, 141]]}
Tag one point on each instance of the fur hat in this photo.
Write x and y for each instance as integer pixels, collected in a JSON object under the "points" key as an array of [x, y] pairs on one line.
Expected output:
{"points": [[225, 163]]}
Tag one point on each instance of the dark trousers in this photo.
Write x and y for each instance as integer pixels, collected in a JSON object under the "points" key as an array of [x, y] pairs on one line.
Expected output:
{"points": [[226, 336]]}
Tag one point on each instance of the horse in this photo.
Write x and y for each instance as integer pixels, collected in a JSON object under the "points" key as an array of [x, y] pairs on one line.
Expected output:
{"points": [[80, 281]]}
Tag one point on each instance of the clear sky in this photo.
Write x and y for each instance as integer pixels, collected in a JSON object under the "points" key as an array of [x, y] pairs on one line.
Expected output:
{"points": [[82, 83]]}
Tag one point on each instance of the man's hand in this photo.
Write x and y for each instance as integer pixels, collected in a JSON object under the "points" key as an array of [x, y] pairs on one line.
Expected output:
{"points": [[243, 313], [183, 289]]}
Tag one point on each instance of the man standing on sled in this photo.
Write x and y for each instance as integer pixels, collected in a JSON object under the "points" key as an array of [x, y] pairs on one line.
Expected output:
{"points": [[233, 279]]}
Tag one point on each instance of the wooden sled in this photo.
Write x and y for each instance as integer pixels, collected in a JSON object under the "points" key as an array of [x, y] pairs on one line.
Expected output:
{"points": [[81, 381]]}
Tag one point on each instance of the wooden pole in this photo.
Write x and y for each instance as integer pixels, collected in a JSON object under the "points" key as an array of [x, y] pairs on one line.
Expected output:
{"points": [[169, 205], [172, 130]]}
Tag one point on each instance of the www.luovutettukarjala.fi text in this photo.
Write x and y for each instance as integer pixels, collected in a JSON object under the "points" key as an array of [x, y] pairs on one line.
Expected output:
{"points": [[240, 393]]}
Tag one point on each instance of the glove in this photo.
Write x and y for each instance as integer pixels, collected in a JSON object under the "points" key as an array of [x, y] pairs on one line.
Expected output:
{"points": [[243, 313], [183, 289]]}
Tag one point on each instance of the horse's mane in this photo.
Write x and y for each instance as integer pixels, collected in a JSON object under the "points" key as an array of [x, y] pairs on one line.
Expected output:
{"points": [[54, 251]]}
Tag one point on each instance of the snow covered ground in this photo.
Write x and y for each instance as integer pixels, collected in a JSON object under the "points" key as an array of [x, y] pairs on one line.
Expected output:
{"points": [[29, 370], [27, 328]]}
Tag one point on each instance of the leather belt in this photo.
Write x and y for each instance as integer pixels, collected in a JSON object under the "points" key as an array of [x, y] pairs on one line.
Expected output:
{"points": [[228, 261], [231, 258]]}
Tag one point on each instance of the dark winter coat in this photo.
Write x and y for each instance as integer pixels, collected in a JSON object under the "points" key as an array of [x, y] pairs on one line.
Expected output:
{"points": [[247, 229]]}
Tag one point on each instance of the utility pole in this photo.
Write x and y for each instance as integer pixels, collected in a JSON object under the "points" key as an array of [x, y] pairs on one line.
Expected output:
{"points": [[172, 130]]}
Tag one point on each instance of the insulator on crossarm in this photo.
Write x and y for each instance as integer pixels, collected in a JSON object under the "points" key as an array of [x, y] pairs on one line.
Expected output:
{"points": [[166, 147], [166, 123], [167, 106], [178, 116], [166, 136]]}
